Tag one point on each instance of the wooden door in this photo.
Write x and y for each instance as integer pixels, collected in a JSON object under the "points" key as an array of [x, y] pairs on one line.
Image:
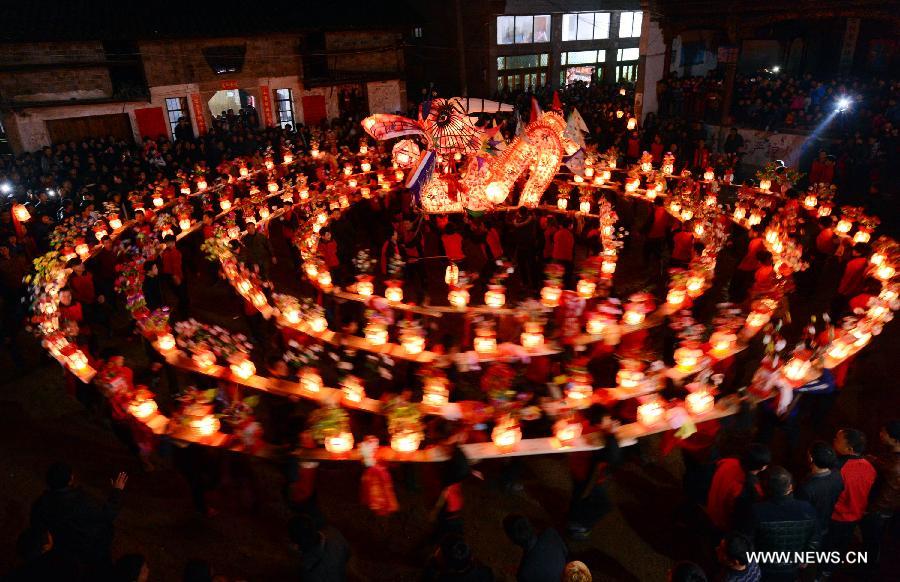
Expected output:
{"points": [[117, 125]]}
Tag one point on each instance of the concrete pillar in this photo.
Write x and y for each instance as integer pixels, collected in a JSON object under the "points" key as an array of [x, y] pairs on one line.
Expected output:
{"points": [[848, 46], [609, 75], [651, 68], [555, 57]]}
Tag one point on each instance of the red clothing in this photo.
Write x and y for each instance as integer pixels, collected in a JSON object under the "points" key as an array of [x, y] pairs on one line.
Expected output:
{"points": [[750, 262], [493, 242], [726, 487], [328, 250], [83, 288], [209, 231], [453, 246], [821, 172], [171, 263], [859, 476], [633, 149], [683, 249], [106, 265], [701, 158], [656, 150], [854, 276], [71, 312], [549, 234], [826, 242], [660, 225], [763, 279], [563, 245]]}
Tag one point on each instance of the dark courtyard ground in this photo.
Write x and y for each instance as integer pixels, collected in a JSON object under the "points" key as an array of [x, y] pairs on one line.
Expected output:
{"points": [[639, 540]]}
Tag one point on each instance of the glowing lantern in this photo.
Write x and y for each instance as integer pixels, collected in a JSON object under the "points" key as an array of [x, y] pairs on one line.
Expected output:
{"points": [[888, 294], [862, 337], [184, 224], [884, 272], [862, 236], [588, 170], [550, 294], [376, 333], [21, 213], [755, 218], [843, 226], [667, 168], [675, 296], [363, 149], [365, 287], [244, 286], [810, 201], [264, 213], [630, 376], [825, 210], [394, 292], [562, 203], [578, 179], [699, 402], [348, 169], [608, 267], [686, 214], [739, 213], [451, 275], [324, 280], [339, 443], [650, 413], [458, 298], [100, 231], [353, 389], [269, 164], [317, 323], [142, 409], [757, 319], [206, 425], [566, 432], [674, 206], [435, 391], [82, 249], [876, 259], [242, 367], [632, 123], [304, 193], [158, 201], [632, 185], [204, 359], [709, 175], [877, 311], [585, 206], [165, 342], [406, 441], [580, 392], [646, 166], [533, 336], [710, 201], [699, 229], [366, 192], [722, 343], [258, 299], [634, 314], [765, 184], [201, 184], [412, 342], [619, 114], [287, 158], [585, 288], [485, 341], [225, 204], [695, 285], [314, 152], [365, 167], [495, 296], [114, 222], [797, 368], [506, 435], [352, 182], [233, 232], [311, 381], [399, 175], [687, 358], [839, 349], [291, 315], [272, 186], [596, 324], [77, 361], [244, 171]]}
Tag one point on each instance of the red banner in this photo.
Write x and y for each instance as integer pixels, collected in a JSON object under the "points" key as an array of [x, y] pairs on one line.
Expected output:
{"points": [[198, 113], [226, 85], [265, 97]]}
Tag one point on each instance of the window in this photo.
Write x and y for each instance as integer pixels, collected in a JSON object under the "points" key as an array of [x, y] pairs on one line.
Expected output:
{"points": [[626, 73], [628, 54], [225, 59], [176, 108], [284, 107], [630, 24], [583, 66], [523, 29], [585, 26], [522, 62], [583, 57], [527, 72], [417, 32]]}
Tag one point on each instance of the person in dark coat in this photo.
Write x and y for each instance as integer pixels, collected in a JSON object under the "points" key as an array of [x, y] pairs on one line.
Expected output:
{"points": [[824, 484], [324, 552], [782, 524], [80, 525], [453, 562], [544, 555], [41, 561]]}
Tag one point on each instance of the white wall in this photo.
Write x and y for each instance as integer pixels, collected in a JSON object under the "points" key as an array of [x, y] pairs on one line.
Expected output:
{"points": [[653, 48], [385, 97]]}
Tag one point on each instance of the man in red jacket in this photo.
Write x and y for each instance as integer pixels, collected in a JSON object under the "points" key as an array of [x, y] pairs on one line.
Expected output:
{"points": [[854, 278], [735, 486], [859, 476], [82, 283], [564, 249], [172, 273]]}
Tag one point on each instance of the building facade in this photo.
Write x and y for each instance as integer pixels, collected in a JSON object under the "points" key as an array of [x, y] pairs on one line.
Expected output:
{"points": [[140, 86]]}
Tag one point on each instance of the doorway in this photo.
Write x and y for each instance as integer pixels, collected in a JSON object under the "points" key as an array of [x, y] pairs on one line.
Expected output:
{"points": [[117, 125], [233, 99]]}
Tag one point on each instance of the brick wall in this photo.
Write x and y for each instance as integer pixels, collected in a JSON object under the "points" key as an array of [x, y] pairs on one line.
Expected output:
{"points": [[53, 84], [181, 61], [360, 56]]}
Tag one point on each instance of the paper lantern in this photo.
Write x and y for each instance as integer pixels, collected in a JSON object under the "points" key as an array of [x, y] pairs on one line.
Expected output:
{"points": [[506, 435], [405, 152], [739, 213], [291, 315], [485, 341], [825, 210], [114, 222], [269, 164], [699, 229], [579, 392], [376, 333], [201, 184], [844, 226], [495, 296], [324, 280], [100, 232], [629, 378], [314, 152], [862, 236], [765, 184], [533, 336], [363, 149], [667, 168], [353, 389], [264, 213], [687, 358], [840, 349], [620, 114], [158, 201], [588, 170], [876, 259], [578, 179], [699, 402], [596, 324], [339, 443], [551, 294], [435, 391], [599, 181], [885, 272], [365, 167], [634, 315], [646, 166], [562, 203], [566, 432], [585, 206], [311, 381], [365, 287], [351, 182], [757, 319], [413, 343], [365, 192], [496, 192], [77, 361], [21, 213], [317, 323], [244, 171], [585, 288], [675, 296], [755, 218], [632, 123], [348, 169], [258, 299], [798, 367], [304, 193], [143, 409], [82, 250], [398, 175], [608, 268], [810, 201], [650, 413], [709, 175], [287, 158], [695, 285], [686, 214], [165, 342], [406, 441], [204, 359], [233, 232], [225, 204], [632, 184], [394, 292], [458, 298], [242, 368], [206, 425], [722, 343], [711, 201]]}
